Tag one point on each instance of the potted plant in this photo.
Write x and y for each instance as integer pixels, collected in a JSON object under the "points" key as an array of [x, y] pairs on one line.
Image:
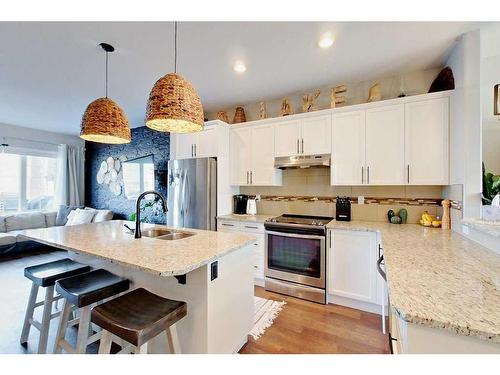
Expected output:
{"points": [[491, 196]]}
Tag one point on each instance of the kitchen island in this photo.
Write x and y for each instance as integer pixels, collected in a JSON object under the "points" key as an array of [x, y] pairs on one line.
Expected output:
{"points": [[211, 271]]}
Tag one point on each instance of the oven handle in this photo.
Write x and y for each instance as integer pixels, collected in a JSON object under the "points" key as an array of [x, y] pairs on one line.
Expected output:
{"points": [[293, 235]]}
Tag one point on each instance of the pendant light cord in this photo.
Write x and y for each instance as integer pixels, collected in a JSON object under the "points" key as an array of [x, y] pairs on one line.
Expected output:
{"points": [[175, 46], [106, 72]]}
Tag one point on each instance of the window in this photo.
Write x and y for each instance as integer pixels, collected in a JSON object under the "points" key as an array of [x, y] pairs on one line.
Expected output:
{"points": [[27, 182]]}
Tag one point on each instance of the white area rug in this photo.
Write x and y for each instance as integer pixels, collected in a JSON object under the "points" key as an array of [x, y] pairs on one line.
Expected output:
{"points": [[265, 312]]}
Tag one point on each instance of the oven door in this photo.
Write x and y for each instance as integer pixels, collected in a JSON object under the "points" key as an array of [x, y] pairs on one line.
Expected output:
{"points": [[298, 258]]}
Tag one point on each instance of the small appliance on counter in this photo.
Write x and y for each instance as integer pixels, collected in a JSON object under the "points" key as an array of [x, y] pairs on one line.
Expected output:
{"points": [[252, 206], [240, 203], [343, 209]]}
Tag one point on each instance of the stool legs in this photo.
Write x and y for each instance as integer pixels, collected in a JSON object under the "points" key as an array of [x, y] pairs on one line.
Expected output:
{"points": [[29, 315], [173, 339], [105, 344], [67, 312], [83, 330], [46, 315]]}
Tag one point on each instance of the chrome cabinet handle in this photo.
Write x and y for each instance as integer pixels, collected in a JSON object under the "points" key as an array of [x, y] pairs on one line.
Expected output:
{"points": [[195, 150], [250, 227], [302, 145], [408, 173], [362, 174], [192, 150], [298, 149], [248, 178], [251, 177], [368, 174], [227, 225]]}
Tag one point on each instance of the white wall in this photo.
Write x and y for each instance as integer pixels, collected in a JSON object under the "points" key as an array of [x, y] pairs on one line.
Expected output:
{"points": [[357, 92], [490, 76], [465, 132], [18, 136]]}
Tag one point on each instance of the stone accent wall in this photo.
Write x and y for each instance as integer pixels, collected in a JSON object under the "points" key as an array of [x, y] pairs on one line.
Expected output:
{"points": [[144, 142]]}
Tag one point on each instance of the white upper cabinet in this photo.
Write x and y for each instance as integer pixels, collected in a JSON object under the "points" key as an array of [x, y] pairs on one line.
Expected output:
{"points": [[385, 145], [200, 144], [287, 138], [206, 143], [316, 135], [427, 142], [240, 143], [348, 148], [305, 136], [252, 156]]}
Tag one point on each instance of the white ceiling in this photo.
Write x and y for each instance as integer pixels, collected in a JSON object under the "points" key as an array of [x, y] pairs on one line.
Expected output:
{"points": [[49, 72]]}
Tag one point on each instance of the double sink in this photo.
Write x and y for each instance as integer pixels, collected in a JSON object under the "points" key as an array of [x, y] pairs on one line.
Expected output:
{"points": [[166, 234]]}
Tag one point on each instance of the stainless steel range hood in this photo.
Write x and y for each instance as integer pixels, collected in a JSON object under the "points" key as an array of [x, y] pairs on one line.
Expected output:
{"points": [[302, 161]]}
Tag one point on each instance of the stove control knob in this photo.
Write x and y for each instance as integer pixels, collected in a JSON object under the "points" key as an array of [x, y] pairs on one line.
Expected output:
{"points": [[314, 223]]}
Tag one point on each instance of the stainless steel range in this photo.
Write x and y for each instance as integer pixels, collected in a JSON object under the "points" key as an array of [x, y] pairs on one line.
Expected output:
{"points": [[296, 256]]}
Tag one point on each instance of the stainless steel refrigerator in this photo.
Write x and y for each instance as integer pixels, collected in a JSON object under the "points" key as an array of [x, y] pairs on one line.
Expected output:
{"points": [[192, 193]]}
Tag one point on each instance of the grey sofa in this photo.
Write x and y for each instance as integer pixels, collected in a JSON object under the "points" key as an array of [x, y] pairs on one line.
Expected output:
{"points": [[11, 224]]}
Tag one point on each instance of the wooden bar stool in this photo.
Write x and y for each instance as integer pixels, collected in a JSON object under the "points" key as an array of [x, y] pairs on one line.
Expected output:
{"points": [[83, 291], [45, 275], [136, 317]]}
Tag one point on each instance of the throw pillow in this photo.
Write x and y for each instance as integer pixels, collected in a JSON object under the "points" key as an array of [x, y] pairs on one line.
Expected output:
{"points": [[80, 216], [63, 212]]}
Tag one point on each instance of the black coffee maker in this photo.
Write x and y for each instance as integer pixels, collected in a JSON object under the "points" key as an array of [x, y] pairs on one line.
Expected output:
{"points": [[343, 209], [240, 204]]}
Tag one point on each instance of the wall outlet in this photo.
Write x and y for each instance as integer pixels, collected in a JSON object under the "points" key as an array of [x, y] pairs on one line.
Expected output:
{"points": [[465, 230], [361, 200], [214, 270]]}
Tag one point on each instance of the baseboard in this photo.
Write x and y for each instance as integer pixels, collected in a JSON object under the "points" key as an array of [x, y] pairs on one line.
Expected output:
{"points": [[355, 304]]}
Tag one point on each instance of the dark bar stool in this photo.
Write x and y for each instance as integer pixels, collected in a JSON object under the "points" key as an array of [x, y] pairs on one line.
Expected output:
{"points": [[45, 275], [83, 291], [137, 317]]}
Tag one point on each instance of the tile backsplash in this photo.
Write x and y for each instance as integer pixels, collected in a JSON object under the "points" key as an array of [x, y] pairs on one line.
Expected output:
{"points": [[308, 192]]}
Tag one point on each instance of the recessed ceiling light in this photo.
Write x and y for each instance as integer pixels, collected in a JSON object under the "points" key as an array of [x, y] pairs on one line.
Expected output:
{"points": [[239, 67], [326, 41]]}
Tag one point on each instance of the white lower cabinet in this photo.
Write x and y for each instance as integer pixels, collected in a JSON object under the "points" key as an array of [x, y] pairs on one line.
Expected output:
{"points": [[256, 230], [352, 277]]}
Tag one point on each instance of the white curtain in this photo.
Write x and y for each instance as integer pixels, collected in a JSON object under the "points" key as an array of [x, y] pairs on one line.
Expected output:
{"points": [[70, 175]]}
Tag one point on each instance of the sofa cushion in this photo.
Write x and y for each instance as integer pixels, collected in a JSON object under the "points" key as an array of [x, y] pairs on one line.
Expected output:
{"points": [[26, 220], [50, 218], [2, 224], [7, 239], [63, 212]]}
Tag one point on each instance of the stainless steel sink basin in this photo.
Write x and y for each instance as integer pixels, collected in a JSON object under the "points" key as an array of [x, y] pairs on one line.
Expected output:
{"points": [[175, 236], [166, 234], [154, 233]]}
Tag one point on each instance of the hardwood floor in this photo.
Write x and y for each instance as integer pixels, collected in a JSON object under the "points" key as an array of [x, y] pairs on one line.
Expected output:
{"points": [[301, 327], [307, 327]]}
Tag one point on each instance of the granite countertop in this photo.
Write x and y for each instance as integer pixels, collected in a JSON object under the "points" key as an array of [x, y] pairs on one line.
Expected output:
{"points": [[246, 218], [110, 241], [491, 228], [439, 278]]}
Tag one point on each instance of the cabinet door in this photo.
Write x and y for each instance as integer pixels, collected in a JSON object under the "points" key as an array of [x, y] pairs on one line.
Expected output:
{"points": [[352, 265], [262, 155], [206, 143], [385, 140], [184, 146], [239, 156], [287, 138], [316, 135], [348, 149], [426, 146]]}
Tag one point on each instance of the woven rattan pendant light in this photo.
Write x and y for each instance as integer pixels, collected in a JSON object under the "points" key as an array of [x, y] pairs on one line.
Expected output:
{"points": [[104, 121], [173, 105]]}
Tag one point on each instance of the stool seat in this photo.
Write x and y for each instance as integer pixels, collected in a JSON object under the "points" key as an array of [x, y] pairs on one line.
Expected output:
{"points": [[46, 274], [138, 316], [87, 288]]}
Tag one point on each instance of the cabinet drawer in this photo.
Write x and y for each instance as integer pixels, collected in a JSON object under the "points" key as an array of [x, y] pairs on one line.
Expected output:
{"points": [[252, 227], [226, 225]]}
